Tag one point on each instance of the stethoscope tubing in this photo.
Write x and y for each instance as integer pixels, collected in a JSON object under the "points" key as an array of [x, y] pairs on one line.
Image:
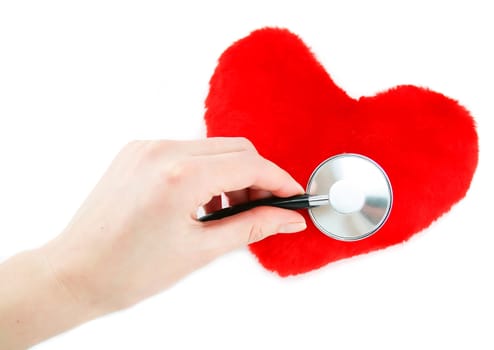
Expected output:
{"points": [[295, 202]]}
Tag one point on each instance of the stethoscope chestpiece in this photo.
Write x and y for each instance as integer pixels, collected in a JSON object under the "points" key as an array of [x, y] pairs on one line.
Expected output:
{"points": [[352, 197]]}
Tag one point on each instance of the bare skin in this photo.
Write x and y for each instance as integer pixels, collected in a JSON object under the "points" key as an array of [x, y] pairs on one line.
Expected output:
{"points": [[137, 234]]}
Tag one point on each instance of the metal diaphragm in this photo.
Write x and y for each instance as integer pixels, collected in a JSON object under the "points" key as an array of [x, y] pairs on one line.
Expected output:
{"points": [[359, 194]]}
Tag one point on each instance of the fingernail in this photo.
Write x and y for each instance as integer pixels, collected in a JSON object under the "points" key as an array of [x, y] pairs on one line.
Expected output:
{"points": [[292, 227]]}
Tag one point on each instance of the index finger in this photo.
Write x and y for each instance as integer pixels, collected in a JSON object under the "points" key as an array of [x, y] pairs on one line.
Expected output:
{"points": [[219, 173]]}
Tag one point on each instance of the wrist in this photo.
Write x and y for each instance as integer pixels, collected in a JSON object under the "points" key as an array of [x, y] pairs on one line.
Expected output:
{"points": [[72, 274], [81, 271], [66, 280], [34, 305]]}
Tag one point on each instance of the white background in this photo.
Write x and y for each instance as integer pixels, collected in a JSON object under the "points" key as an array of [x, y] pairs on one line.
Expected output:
{"points": [[80, 79]]}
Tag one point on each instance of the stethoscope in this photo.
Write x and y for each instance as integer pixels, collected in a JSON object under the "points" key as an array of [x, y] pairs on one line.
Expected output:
{"points": [[348, 197]]}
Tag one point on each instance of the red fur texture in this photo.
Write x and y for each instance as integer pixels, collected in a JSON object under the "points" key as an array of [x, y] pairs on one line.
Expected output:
{"points": [[269, 88]]}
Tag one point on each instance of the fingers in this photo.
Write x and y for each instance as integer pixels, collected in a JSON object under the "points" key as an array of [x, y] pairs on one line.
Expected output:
{"points": [[177, 149], [216, 145], [248, 227], [222, 173]]}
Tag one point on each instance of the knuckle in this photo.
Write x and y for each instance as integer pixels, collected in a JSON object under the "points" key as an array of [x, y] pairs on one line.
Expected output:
{"points": [[177, 172]]}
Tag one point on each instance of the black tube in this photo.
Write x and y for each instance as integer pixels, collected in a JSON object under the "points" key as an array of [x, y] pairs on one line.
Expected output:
{"points": [[294, 202]]}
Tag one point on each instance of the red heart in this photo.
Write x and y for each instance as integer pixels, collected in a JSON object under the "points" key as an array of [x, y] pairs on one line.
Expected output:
{"points": [[269, 88]]}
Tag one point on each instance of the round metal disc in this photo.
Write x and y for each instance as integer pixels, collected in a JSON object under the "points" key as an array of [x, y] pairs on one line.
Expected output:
{"points": [[359, 193]]}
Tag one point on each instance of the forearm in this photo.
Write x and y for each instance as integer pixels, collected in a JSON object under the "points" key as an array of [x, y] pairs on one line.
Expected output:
{"points": [[34, 306]]}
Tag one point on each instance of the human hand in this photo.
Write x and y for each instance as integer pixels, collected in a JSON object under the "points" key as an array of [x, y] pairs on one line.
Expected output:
{"points": [[137, 232]]}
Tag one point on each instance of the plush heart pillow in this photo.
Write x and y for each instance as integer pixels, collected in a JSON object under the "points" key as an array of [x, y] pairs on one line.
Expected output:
{"points": [[269, 88]]}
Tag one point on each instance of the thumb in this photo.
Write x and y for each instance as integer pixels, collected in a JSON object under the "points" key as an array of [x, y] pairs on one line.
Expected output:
{"points": [[253, 225]]}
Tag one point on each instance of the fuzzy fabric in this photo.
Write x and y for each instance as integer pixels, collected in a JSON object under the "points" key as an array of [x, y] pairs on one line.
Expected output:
{"points": [[269, 88]]}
